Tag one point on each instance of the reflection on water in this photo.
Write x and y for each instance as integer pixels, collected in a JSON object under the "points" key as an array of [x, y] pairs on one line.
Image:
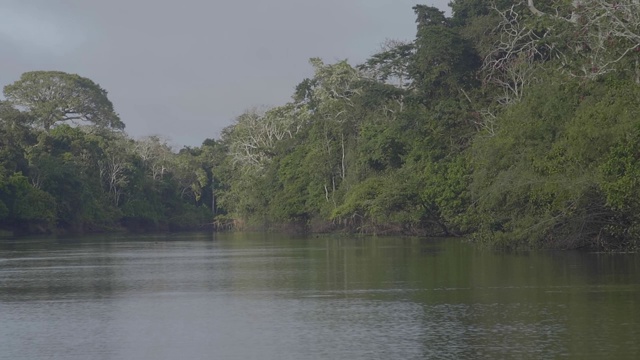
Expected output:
{"points": [[256, 296]]}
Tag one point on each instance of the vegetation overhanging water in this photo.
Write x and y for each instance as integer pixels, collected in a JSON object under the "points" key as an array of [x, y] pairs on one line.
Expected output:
{"points": [[517, 123]]}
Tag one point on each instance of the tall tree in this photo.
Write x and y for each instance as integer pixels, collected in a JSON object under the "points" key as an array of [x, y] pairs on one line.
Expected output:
{"points": [[444, 61], [53, 97]]}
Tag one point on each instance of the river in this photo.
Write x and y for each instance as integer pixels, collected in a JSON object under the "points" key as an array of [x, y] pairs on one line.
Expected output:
{"points": [[267, 296]]}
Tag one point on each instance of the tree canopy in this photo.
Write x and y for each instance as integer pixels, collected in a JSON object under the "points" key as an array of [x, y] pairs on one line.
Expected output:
{"points": [[513, 123], [53, 97]]}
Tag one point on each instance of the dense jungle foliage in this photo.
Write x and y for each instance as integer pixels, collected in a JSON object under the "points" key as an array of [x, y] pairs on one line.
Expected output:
{"points": [[514, 122]]}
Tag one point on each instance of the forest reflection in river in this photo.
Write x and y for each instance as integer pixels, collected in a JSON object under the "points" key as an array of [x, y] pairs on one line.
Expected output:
{"points": [[268, 296]]}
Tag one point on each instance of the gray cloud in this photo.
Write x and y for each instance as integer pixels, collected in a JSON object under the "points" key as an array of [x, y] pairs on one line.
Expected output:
{"points": [[185, 69]]}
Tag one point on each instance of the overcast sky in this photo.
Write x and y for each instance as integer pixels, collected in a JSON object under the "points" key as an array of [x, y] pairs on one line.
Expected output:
{"points": [[184, 69]]}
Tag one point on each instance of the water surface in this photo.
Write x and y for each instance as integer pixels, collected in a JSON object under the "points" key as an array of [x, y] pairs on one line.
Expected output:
{"points": [[257, 296]]}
